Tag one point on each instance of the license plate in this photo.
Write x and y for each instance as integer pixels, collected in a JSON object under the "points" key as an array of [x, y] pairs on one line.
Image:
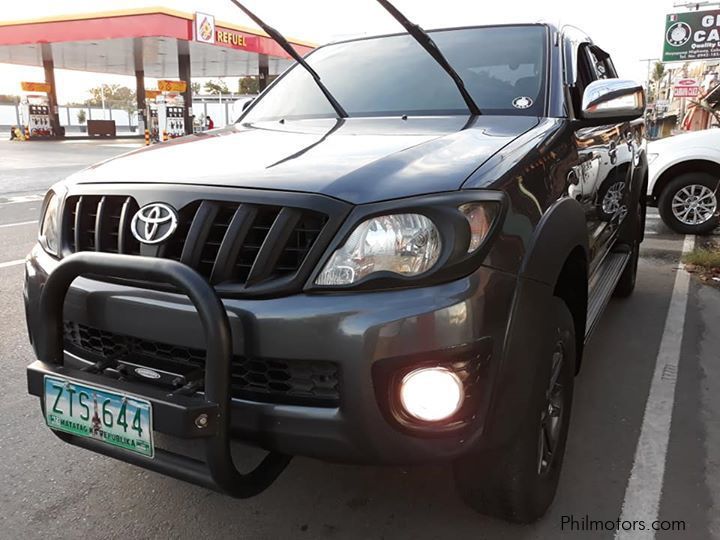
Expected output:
{"points": [[87, 411]]}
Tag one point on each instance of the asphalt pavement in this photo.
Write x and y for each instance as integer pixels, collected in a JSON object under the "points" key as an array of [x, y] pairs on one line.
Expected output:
{"points": [[627, 446]]}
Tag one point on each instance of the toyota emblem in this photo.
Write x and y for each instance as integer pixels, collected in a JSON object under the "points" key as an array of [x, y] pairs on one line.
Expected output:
{"points": [[154, 223]]}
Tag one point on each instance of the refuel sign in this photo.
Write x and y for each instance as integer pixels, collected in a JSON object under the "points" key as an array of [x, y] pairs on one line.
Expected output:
{"points": [[692, 36]]}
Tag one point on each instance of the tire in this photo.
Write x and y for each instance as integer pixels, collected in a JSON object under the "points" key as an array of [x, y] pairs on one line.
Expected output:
{"points": [[512, 482], [630, 239], [678, 189], [626, 284]]}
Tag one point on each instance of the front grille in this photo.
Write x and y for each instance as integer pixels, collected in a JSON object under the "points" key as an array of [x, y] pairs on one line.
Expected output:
{"points": [[293, 382], [248, 246]]}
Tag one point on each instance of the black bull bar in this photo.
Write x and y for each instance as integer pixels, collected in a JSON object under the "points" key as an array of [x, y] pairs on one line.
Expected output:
{"points": [[173, 414]]}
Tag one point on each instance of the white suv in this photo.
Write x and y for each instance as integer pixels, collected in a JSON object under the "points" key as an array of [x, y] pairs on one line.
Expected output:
{"points": [[685, 180]]}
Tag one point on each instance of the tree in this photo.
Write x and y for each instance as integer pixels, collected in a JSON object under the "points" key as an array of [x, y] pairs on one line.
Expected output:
{"points": [[115, 95], [251, 84], [248, 85], [81, 116], [195, 88], [658, 71], [216, 87]]}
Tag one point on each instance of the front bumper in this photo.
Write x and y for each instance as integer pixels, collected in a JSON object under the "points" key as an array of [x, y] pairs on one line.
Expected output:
{"points": [[358, 331]]}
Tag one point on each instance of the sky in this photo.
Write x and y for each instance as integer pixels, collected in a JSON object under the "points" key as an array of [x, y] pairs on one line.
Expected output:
{"points": [[630, 30]]}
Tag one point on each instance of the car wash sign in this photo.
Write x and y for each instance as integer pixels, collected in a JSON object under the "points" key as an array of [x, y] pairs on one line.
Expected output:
{"points": [[692, 36]]}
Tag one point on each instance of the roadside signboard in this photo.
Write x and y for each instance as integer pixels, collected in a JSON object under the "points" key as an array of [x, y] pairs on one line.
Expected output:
{"points": [[172, 86], [35, 87], [686, 88], [662, 105], [693, 35]]}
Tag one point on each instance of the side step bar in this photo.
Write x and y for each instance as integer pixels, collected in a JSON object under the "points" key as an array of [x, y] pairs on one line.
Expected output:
{"points": [[602, 286]]}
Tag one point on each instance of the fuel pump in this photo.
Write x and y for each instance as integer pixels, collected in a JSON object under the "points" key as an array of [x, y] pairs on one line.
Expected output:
{"points": [[35, 111], [171, 109], [151, 115]]}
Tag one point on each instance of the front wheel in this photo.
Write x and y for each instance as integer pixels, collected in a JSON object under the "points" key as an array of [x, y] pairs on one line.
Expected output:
{"points": [[518, 482], [689, 203], [626, 284]]}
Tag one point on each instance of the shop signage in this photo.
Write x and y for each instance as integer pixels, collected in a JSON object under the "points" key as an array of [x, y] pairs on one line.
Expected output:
{"points": [[230, 38], [693, 35], [686, 88], [205, 31]]}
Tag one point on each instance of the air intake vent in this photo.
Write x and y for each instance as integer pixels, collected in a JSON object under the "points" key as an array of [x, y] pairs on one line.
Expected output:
{"points": [[292, 382]]}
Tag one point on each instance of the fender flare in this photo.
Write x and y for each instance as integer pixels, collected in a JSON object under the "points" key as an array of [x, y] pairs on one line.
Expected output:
{"points": [[561, 229], [527, 337]]}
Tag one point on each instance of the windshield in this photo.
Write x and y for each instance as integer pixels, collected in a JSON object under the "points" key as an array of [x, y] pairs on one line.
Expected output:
{"points": [[503, 68]]}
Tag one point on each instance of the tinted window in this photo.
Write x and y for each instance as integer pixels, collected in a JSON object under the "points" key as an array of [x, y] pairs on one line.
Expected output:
{"points": [[503, 69]]}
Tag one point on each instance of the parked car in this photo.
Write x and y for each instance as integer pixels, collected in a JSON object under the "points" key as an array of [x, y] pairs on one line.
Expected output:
{"points": [[390, 273], [685, 180]]}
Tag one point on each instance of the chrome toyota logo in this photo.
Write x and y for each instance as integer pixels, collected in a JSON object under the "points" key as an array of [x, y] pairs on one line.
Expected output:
{"points": [[147, 373], [154, 223]]}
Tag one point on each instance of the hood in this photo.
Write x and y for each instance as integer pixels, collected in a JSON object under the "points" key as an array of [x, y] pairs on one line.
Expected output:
{"points": [[707, 138], [357, 160]]}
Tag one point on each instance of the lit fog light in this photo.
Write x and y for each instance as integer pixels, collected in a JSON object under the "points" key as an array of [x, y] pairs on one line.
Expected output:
{"points": [[431, 394]]}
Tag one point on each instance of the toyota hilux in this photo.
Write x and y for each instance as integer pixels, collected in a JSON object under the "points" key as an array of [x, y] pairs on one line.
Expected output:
{"points": [[396, 255]]}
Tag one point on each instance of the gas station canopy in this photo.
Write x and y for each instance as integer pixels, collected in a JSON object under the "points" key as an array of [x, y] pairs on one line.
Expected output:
{"points": [[149, 40]]}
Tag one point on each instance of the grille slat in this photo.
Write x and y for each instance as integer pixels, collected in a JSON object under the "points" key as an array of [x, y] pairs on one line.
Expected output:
{"points": [[272, 247], [299, 382], [127, 243], [194, 243], [229, 243]]}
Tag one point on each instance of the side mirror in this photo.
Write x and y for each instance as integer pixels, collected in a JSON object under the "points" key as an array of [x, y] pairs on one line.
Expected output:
{"points": [[613, 100]]}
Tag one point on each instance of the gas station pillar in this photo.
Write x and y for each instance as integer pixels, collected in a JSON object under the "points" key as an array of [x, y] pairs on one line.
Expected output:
{"points": [[184, 75], [140, 95], [263, 71], [140, 81], [49, 67]]}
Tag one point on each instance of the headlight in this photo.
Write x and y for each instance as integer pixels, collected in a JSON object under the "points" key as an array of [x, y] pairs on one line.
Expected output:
{"points": [[652, 157], [404, 244], [480, 217], [49, 226]]}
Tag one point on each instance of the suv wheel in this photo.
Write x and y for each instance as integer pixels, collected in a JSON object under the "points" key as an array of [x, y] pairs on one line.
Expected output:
{"points": [[626, 284], [689, 203], [630, 242], [518, 482]]}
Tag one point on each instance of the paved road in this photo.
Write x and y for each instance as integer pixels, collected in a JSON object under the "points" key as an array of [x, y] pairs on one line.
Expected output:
{"points": [[50, 489], [32, 167]]}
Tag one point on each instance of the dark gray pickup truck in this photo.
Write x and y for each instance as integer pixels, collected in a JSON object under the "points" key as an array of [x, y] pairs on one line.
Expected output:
{"points": [[395, 256]]}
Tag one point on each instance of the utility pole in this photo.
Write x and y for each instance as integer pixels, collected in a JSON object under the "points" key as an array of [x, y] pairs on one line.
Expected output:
{"points": [[102, 99], [649, 68]]}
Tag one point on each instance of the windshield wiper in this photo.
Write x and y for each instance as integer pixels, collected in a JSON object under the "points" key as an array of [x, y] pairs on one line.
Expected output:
{"points": [[285, 44], [427, 43]]}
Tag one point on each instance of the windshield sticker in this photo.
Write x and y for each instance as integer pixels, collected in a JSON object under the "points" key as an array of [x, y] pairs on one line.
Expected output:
{"points": [[522, 102]]}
